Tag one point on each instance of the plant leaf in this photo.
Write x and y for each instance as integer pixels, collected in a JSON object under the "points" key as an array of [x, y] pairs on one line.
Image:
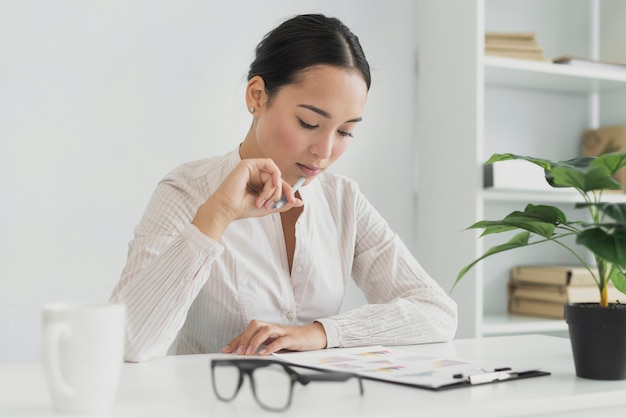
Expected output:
{"points": [[584, 178], [517, 241], [611, 161], [616, 211], [539, 219], [619, 280], [608, 245], [545, 164]]}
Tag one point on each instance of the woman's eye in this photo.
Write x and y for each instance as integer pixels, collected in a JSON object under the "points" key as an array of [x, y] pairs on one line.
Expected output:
{"points": [[345, 134], [306, 125]]}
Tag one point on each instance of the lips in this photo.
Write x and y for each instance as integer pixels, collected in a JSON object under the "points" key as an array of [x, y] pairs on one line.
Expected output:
{"points": [[309, 170]]}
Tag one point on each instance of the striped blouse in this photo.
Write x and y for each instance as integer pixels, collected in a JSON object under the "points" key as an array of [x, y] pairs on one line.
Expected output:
{"points": [[187, 293]]}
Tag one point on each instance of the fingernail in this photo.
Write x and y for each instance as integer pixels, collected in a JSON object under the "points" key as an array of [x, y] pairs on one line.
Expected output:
{"points": [[240, 349], [249, 350], [262, 203], [280, 203]]}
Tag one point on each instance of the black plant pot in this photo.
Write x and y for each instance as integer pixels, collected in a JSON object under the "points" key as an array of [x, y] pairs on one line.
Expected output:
{"points": [[598, 337]]}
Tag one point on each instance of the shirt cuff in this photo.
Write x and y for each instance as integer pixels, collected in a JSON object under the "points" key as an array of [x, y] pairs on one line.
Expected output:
{"points": [[332, 333], [201, 242]]}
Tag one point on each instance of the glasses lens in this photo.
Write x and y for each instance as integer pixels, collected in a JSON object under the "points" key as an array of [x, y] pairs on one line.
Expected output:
{"points": [[225, 381], [272, 386]]}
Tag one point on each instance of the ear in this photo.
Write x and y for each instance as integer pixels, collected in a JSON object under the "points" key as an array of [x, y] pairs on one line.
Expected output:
{"points": [[256, 95]]}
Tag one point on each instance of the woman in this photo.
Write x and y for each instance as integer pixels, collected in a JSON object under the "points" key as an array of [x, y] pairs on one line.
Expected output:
{"points": [[214, 267]]}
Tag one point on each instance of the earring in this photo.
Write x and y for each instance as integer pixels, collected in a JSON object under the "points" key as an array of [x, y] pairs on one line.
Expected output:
{"points": [[251, 109]]}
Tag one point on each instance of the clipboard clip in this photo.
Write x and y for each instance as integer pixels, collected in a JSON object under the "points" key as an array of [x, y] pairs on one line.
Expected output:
{"points": [[489, 376]]}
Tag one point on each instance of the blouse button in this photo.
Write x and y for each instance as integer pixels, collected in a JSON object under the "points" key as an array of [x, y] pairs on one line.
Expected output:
{"points": [[298, 269], [289, 316]]}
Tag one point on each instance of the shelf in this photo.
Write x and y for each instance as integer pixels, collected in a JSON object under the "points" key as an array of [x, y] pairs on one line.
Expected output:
{"points": [[551, 77], [499, 104], [519, 324], [555, 196]]}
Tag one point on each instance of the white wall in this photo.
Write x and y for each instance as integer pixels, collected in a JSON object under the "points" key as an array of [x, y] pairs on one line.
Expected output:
{"points": [[99, 99]]}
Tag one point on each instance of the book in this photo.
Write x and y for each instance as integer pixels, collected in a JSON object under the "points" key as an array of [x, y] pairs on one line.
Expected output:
{"points": [[510, 36], [553, 274], [512, 44], [537, 308], [521, 48], [588, 63], [561, 293], [393, 365], [521, 45]]}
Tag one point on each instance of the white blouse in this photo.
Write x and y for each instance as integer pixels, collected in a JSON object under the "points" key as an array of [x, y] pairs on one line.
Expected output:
{"points": [[190, 294]]}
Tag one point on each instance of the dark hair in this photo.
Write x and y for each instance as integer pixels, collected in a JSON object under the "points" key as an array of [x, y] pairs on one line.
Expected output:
{"points": [[302, 42]]}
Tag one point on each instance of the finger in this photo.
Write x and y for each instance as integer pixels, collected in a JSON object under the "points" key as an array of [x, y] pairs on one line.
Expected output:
{"points": [[267, 170], [277, 345], [296, 204], [264, 335], [288, 192], [231, 346], [269, 166], [265, 180], [245, 337], [300, 338], [288, 196], [269, 194]]}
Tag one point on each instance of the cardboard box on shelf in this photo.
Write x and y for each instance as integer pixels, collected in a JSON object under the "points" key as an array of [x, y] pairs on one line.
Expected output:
{"points": [[604, 140]]}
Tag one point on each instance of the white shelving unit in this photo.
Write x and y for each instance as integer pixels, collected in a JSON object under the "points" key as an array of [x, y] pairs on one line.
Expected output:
{"points": [[545, 76], [470, 105]]}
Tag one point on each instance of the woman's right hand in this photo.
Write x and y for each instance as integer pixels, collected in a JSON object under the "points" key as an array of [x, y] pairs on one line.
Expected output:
{"points": [[250, 189]]}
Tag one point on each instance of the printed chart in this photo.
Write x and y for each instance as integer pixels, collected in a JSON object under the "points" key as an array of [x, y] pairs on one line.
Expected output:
{"points": [[403, 367]]}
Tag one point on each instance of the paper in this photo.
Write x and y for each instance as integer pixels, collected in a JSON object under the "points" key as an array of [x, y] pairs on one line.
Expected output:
{"points": [[403, 367]]}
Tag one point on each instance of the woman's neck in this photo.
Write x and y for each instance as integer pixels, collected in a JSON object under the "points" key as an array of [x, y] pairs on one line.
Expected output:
{"points": [[249, 147]]}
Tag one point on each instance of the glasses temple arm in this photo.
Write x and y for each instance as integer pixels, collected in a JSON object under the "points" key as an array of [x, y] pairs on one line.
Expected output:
{"points": [[305, 379]]}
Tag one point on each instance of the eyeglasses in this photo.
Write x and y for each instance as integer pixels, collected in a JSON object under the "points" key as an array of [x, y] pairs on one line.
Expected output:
{"points": [[272, 381]]}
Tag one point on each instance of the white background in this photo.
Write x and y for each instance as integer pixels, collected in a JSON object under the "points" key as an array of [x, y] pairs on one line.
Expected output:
{"points": [[100, 99]]}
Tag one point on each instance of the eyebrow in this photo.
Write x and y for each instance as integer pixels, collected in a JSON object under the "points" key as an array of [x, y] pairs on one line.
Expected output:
{"points": [[326, 114]]}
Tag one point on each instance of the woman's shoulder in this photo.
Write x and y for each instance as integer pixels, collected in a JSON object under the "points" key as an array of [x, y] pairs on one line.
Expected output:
{"points": [[216, 167]]}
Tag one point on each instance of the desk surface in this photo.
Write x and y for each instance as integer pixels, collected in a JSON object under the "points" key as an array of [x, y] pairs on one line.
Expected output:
{"points": [[180, 386]]}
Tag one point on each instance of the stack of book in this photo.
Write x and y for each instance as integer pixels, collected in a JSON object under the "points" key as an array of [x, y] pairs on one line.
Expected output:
{"points": [[543, 291], [514, 45]]}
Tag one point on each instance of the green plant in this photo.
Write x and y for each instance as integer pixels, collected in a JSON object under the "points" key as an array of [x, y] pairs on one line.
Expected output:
{"points": [[604, 234]]}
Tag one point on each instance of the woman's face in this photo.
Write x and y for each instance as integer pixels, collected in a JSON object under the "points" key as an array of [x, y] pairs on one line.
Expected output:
{"points": [[308, 125]]}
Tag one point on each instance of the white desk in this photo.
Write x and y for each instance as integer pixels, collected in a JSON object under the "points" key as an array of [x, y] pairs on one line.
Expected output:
{"points": [[180, 386]]}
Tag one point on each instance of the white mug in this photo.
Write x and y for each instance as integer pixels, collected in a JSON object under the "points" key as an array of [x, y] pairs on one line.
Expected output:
{"points": [[83, 353]]}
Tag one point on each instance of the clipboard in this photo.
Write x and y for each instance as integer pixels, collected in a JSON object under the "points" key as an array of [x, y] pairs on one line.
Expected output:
{"points": [[480, 378], [407, 368]]}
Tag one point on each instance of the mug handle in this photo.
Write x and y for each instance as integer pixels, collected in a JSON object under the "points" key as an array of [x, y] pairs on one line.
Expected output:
{"points": [[52, 340]]}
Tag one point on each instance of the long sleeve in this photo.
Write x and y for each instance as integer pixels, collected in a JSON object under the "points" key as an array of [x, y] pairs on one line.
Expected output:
{"points": [[406, 306], [403, 308], [159, 295], [169, 260]]}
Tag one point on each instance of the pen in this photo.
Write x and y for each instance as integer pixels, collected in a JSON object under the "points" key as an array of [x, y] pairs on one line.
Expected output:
{"points": [[295, 188], [496, 375]]}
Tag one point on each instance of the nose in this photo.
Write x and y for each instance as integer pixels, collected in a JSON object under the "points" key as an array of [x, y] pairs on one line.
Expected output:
{"points": [[322, 147]]}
